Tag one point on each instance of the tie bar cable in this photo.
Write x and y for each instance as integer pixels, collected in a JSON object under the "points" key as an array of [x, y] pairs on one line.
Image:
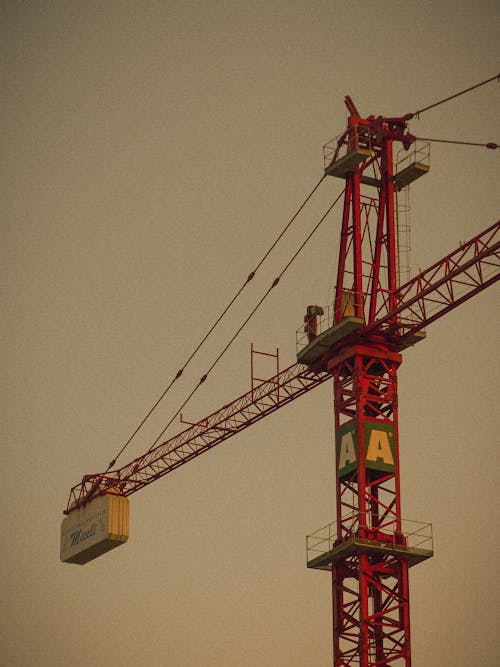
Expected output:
{"points": [[490, 144], [214, 325], [416, 114], [248, 318]]}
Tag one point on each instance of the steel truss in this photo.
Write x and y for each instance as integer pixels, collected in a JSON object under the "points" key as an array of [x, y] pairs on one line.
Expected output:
{"points": [[473, 266], [469, 269], [370, 585], [236, 416], [371, 620]]}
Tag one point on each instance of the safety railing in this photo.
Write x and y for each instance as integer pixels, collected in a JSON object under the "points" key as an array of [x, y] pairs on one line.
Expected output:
{"points": [[414, 535], [355, 138], [313, 326], [418, 153]]}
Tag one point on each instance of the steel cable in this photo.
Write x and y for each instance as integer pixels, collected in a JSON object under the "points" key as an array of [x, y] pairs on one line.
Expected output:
{"points": [[452, 97], [214, 325], [490, 144], [248, 318]]}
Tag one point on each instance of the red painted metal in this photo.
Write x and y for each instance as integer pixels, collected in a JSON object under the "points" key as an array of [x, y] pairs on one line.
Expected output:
{"points": [[254, 379], [370, 587], [311, 322], [367, 265], [371, 620], [462, 274], [232, 418], [371, 615]]}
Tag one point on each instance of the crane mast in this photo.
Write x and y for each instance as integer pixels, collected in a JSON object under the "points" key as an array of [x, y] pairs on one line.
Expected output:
{"points": [[370, 548], [367, 549]]}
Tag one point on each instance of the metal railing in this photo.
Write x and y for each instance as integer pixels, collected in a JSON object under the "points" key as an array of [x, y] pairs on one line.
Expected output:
{"points": [[414, 535], [419, 152], [353, 139], [314, 326]]}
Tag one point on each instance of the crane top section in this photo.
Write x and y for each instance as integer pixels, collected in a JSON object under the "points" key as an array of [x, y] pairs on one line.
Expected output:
{"points": [[368, 269], [383, 128], [362, 143]]}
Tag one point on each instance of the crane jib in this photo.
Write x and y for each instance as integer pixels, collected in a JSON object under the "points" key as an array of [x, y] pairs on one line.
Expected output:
{"points": [[473, 266]]}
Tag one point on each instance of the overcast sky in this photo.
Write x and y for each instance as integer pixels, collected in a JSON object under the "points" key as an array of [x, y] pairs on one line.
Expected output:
{"points": [[152, 151]]}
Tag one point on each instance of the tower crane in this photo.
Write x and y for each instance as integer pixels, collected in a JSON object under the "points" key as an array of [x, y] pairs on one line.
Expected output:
{"points": [[358, 341]]}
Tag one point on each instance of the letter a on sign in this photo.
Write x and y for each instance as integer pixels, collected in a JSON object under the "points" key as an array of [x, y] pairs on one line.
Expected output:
{"points": [[346, 449], [379, 439]]}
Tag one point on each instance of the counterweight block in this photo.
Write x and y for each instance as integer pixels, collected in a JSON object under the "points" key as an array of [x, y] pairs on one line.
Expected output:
{"points": [[93, 529]]}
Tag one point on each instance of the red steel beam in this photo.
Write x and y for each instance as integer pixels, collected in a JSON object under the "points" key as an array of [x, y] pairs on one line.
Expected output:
{"points": [[232, 418], [449, 282], [462, 274]]}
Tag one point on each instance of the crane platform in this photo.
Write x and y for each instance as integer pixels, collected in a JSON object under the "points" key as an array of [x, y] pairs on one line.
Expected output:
{"points": [[355, 544], [313, 350], [348, 162], [411, 166], [340, 168], [324, 548], [409, 174]]}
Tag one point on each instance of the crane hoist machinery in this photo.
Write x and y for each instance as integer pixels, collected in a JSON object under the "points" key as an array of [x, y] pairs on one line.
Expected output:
{"points": [[358, 341]]}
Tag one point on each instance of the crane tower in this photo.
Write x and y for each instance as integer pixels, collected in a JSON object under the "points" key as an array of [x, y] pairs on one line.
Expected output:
{"points": [[368, 548]]}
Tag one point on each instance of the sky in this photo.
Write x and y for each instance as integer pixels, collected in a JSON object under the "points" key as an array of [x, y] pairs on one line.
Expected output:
{"points": [[152, 152]]}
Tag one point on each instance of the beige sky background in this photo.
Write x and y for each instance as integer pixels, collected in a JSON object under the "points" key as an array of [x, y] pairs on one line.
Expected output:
{"points": [[152, 151]]}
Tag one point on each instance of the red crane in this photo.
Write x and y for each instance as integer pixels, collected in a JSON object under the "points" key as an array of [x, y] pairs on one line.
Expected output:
{"points": [[369, 548]]}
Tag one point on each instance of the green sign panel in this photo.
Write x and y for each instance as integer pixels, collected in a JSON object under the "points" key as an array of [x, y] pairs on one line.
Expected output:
{"points": [[378, 445]]}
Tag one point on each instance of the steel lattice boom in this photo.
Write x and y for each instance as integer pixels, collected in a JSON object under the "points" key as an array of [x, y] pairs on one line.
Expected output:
{"points": [[262, 400], [458, 276]]}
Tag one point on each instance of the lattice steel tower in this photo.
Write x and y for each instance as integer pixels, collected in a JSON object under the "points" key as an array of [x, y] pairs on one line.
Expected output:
{"points": [[368, 549]]}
